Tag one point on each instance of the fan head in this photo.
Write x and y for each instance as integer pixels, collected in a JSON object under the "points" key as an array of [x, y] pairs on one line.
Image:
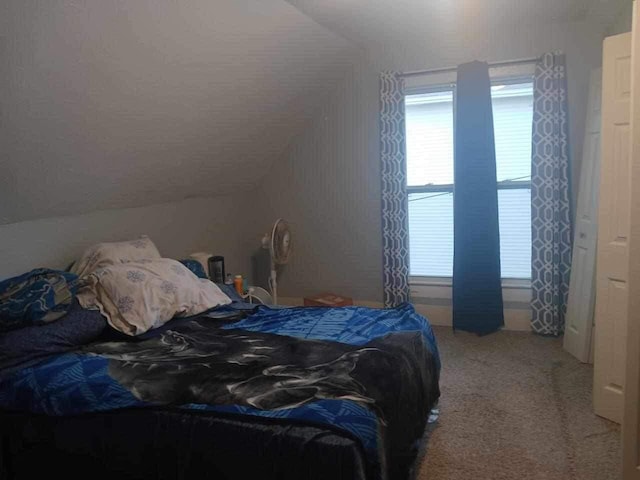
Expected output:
{"points": [[278, 242]]}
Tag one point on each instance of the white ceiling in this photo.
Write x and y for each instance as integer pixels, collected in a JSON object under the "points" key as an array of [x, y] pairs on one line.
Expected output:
{"points": [[120, 103], [397, 24]]}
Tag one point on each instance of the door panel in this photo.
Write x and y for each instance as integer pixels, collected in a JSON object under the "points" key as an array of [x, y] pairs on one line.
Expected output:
{"points": [[613, 230], [581, 303]]}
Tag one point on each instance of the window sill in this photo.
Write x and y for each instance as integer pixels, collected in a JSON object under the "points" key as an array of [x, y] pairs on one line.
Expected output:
{"points": [[513, 283]]}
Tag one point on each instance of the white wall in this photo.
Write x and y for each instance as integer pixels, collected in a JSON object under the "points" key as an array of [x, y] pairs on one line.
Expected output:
{"points": [[216, 225], [328, 183]]}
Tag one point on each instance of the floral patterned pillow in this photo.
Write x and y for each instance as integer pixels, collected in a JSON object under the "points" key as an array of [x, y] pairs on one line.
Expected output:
{"points": [[112, 253], [140, 295]]}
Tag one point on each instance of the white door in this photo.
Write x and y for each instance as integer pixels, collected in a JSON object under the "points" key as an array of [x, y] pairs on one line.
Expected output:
{"points": [[631, 421], [613, 230], [582, 287]]}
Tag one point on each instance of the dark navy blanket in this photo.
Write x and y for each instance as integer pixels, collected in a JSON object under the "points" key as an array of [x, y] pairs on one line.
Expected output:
{"points": [[370, 373]]}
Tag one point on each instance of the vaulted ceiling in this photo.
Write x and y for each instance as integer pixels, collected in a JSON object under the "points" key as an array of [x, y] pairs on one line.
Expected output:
{"points": [[114, 103], [371, 22]]}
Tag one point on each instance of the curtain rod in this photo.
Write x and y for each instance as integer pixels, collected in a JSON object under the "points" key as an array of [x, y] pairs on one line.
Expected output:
{"points": [[453, 69]]}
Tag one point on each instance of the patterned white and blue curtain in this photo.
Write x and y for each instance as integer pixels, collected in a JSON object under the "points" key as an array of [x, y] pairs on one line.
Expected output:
{"points": [[550, 197], [395, 224]]}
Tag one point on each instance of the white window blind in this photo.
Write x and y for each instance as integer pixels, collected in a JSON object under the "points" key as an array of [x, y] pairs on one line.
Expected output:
{"points": [[429, 133], [429, 129], [431, 234], [512, 124], [514, 209]]}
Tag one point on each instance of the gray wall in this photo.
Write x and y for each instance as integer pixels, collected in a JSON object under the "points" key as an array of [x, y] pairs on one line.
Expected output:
{"points": [[623, 22], [109, 105], [215, 225], [119, 104], [327, 184], [112, 104]]}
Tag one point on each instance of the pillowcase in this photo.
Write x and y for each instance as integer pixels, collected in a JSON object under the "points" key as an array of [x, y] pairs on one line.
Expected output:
{"points": [[141, 295], [112, 253], [75, 329]]}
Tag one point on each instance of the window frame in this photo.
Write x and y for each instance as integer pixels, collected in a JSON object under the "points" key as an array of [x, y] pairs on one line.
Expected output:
{"points": [[507, 282]]}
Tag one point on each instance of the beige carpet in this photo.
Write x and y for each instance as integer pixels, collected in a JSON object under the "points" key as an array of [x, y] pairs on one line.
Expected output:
{"points": [[516, 406]]}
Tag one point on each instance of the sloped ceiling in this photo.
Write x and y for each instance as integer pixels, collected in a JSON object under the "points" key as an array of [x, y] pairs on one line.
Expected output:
{"points": [[120, 103], [455, 25]]}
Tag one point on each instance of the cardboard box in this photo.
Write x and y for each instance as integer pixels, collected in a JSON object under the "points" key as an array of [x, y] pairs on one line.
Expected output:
{"points": [[327, 300]]}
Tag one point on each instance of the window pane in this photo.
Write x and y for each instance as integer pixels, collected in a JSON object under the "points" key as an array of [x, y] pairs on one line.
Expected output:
{"points": [[514, 207], [431, 234], [429, 128], [512, 121], [429, 125]]}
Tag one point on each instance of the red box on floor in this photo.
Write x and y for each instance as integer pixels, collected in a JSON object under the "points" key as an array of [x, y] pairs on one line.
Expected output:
{"points": [[327, 300]]}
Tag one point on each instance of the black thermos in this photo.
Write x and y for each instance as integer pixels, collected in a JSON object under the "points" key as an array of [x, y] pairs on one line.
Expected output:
{"points": [[216, 269]]}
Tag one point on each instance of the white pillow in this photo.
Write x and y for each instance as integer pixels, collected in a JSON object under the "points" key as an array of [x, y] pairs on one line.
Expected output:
{"points": [[112, 253], [141, 295]]}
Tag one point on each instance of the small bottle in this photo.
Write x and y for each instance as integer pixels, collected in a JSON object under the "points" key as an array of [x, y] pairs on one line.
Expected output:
{"points": [[237, 282], [228, 280]]}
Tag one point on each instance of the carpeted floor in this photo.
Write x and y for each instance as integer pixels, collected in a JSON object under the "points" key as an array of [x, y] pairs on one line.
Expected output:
{"points": [[516, 406]]}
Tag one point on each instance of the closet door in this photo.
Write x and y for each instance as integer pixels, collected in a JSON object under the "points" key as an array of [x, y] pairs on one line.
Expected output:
{"points": [[631, 420], [582, 287], [613, 230]]}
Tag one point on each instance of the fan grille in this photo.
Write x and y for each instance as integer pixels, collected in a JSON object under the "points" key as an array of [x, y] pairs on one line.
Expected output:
{"points": [[281, 244]]}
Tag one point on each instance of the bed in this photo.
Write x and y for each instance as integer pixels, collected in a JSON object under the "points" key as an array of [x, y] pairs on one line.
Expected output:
{"points": [[129, 365], [309, 392]]}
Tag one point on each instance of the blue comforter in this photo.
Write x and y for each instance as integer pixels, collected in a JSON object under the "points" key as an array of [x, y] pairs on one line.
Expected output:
{"points": [[84, 381]]}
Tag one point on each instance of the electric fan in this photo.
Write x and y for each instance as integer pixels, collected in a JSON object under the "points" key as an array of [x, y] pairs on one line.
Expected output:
{"points": [[278, 242]]}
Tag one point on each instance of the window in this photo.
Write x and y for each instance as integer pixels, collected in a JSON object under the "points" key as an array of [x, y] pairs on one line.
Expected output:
{"points": [[430, 183]]}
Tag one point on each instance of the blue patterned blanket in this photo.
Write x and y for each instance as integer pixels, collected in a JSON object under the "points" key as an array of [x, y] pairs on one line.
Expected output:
{"points": [[35, 297], [351, 325], [370, 373]]}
